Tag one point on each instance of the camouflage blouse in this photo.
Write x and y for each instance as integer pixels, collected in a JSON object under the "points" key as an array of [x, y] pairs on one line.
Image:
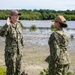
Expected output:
{"points": [[14, 37], [58, 43]]}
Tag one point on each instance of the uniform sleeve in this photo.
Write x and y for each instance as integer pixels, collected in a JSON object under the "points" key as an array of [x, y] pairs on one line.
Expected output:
{"points": [[54, 48], [21, 25], [51, 38], [22, 41], [4, 30]]}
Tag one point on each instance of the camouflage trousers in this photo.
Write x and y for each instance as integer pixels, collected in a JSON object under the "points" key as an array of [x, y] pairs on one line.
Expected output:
{"points": [[56, 69], [13, 63]]}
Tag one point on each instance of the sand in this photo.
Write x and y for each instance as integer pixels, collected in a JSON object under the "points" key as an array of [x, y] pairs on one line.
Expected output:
{"points": [[35, 57]]}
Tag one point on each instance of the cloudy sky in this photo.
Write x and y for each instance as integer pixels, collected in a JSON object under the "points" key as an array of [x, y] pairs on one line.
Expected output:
{"points": [[38, 4]]}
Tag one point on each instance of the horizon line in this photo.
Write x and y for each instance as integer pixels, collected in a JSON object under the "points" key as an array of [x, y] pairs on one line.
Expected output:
{"points": [[40, 9]]}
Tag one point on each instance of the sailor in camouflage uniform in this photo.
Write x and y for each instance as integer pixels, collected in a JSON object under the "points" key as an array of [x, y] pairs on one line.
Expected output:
{"points": [[12, 30], [58, 42]]}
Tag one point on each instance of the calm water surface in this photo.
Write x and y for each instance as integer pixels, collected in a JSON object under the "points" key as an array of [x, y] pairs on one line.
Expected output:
{"points": [[40, 23], [40, 36]]}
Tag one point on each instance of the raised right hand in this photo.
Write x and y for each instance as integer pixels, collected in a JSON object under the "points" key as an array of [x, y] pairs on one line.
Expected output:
{"points": [[8, 21]]}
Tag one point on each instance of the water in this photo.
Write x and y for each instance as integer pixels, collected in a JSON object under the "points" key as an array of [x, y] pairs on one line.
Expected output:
{"points": [[39, 23], [40, 36]]}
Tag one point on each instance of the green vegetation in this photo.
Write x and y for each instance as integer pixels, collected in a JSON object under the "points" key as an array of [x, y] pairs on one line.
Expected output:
{"points": [[42, 14], [46, 72], [52, 27], [33, 28], [70, 73], [2, 71]]}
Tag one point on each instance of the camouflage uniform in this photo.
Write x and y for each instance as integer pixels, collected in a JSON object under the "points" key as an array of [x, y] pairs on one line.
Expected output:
{"points": [[13, 47], [59, 60]]}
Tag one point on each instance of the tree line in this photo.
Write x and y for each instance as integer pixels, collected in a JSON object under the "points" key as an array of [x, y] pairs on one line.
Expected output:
{"points": [[41, 14]]}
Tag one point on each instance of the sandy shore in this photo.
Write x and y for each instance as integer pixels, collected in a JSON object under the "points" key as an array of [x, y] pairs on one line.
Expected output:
{"points": [[34, 58]]}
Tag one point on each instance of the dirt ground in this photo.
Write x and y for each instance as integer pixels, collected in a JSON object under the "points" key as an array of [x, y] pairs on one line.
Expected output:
{"points": [[35, 58]]}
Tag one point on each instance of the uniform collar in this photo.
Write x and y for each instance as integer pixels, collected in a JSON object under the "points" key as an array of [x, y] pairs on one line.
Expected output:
{"points": [[13, 25]]}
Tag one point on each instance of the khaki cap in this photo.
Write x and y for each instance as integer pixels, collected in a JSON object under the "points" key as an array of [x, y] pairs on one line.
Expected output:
{"points": [[14, 12], [60, 19]]}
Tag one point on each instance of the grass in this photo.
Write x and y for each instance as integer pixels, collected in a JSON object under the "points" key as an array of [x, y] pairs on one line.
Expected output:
{"points": [[2, 71]]}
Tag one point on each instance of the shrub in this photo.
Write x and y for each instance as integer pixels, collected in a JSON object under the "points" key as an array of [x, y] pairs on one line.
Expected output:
{"points": [[52, 27], [44, 72], [33, 28], [70, 73], [2, 71]]}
